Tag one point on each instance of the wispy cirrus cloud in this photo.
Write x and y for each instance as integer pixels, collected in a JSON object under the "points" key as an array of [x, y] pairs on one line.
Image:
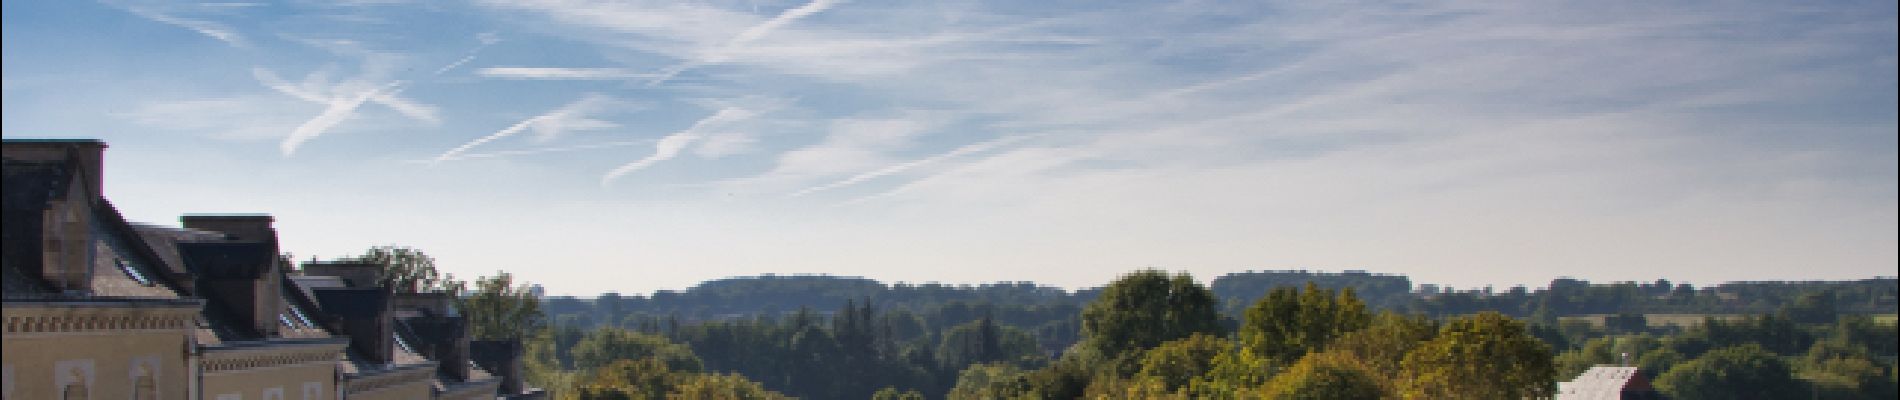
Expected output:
{"points": [[745, 37], [557, 73], [337, 110], [572, 117], [214, 30], [894, 169], [671, 145]]}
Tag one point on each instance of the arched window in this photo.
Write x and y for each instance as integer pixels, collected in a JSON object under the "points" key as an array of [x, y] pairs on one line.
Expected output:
{"points": [[74, 391], [145, 388]]}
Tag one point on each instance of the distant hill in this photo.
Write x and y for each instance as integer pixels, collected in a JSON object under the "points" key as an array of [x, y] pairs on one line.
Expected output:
{"points": [[1023, 303]]}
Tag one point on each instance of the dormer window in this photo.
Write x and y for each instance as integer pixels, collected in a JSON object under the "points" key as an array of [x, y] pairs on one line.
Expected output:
{"points": [[133, 272], [295, 312], [404, 345]]}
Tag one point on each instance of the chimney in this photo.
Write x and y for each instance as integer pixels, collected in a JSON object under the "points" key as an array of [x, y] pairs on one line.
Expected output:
{"points": [[363, 314], [443, 339], [252, 284], [240, 227], [64, 241], [90, 154], [244, 275], [501, 358], [354, 274]]}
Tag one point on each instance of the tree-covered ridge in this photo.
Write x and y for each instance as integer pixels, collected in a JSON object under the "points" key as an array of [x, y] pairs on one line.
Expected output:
{"points": [[1033, 306], [1152, 334]]}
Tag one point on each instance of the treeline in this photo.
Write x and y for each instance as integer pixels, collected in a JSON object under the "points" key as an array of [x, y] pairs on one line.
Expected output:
{"points": [[1035, 306], [1805, 350], [1147, 335]]}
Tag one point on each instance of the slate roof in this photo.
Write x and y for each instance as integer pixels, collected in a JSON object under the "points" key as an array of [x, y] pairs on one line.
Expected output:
{"points": [[28, 186], [227, 260]]}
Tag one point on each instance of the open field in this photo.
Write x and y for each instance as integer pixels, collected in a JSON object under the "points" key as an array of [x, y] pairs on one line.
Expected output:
{"points": [[1662, 320]]}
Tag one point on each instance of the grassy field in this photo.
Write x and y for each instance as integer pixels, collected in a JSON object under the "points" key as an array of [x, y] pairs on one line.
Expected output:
{"points": [[1887, 319], [1661, 320]]}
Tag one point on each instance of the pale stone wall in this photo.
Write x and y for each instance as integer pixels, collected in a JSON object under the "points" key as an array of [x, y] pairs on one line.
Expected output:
{"points": [[103, 351], [284, 382]]}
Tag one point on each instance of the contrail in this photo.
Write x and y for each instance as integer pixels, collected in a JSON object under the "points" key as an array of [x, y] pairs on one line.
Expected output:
{"points": [[339, 110], [671, 145], [747, 36], [901, 167]]}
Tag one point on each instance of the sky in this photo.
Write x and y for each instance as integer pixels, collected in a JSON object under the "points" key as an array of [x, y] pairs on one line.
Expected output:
{"points": [[636, 146]]}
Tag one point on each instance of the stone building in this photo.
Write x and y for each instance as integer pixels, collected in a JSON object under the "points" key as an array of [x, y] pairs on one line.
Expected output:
{"points": [[98, 307]]}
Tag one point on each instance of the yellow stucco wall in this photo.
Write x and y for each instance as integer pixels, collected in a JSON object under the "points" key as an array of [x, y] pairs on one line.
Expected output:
{"points": [[288, 382], [37, 365], [417, 390]]}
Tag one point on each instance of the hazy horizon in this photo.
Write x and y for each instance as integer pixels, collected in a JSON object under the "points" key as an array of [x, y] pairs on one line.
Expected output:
{"points": [[640, 146]]}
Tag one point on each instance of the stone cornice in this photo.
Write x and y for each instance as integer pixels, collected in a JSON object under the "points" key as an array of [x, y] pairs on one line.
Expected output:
{"points": [[241, 356], [373, 381], [59, 317], [482, 389]]}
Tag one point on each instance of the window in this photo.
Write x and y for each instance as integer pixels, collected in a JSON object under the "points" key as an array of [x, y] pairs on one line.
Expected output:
{"points": [[133, 271], [312, 391], [295, 312], [74, 391], [145, 388], [402, 344]]}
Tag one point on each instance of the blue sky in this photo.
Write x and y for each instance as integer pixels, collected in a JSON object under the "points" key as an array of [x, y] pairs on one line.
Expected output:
{"points": [[635, 146]]}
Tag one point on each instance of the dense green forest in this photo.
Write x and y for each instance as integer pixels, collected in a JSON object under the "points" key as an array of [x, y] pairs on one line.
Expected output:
{"points": [[1151, 334], [797, 335]]}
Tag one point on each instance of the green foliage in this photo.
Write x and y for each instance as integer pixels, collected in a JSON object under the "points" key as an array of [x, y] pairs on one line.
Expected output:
{"points": [[720, 387], [652, 379], [1840, 369], [408, 270], [1287, 323], [1136, 388], [1623, 349], [1233, 374], [1771, 332], [990, 381], [1864, 332], [1851, 378], [1816, 307], [1740, 372], [1326, 376], [984, 341], [891, 393], [1485, 356], [1145, 308], [1383, 344], [626, 379], [1176, 363], [605, 346], [1659, 360], [498, 309]]}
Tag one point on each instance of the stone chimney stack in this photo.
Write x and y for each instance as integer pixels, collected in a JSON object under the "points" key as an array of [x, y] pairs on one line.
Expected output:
{"points": [[354, 274], [363, 314], [243, 273], [502, 358], [255, 284], [65, 227], [240, 227], [90, 154]]}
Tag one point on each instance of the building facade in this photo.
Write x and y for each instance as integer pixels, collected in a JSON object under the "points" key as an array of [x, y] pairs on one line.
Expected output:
{"points": [[98, 307]]}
